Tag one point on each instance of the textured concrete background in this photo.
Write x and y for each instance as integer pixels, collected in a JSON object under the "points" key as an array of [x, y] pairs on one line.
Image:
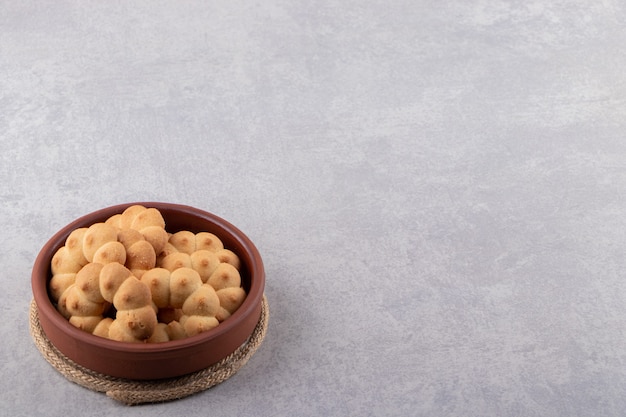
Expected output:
{"points": [[436, 187]]}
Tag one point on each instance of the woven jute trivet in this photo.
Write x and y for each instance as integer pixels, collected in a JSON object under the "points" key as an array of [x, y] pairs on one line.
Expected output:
{"points": [[132, 392]]}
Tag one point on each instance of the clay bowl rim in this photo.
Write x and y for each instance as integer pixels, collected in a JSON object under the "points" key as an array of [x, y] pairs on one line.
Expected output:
{"points": [[45, 306]]}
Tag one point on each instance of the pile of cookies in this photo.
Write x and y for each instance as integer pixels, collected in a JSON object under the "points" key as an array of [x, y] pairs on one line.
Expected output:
{"points": [[128, 279]]}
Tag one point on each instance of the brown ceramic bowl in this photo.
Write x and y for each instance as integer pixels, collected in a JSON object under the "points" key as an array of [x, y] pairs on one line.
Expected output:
{"points": [[159, 360]]}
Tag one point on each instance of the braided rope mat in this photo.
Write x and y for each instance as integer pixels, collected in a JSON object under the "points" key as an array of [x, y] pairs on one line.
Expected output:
{"points": [[132, 392]]}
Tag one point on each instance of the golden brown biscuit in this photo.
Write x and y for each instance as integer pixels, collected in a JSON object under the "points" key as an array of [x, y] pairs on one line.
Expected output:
{"points": [[204, 262], [63, 262], [224, 276], [184, 241], [194, 325], [175, 261], [208, 241], [183, 282], [87, 324], [111, 278], [102, 328], [110, 252], [229, 257], [74, 245], [140, 257], [231, 299], [59, 283], [95, 236]]}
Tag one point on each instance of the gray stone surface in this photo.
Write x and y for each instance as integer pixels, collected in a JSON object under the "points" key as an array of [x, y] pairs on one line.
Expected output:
{"points": [[437, 189]]}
